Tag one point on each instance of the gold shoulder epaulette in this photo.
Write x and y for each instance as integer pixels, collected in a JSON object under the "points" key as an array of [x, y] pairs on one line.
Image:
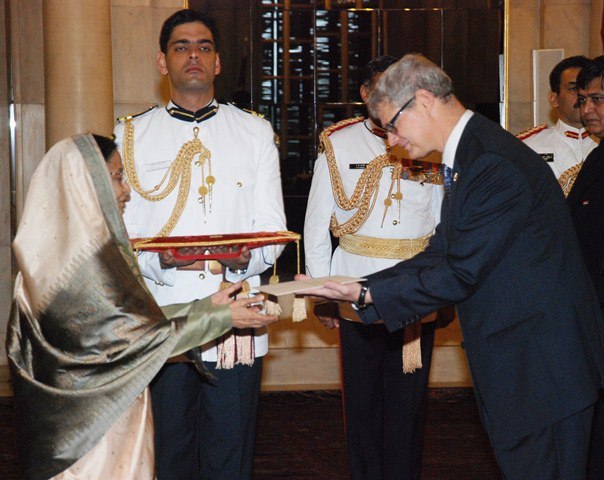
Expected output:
{"points": [[324, 136], [247, 110], [531, 131], [256, 114], [342, 124], [130, 117]]}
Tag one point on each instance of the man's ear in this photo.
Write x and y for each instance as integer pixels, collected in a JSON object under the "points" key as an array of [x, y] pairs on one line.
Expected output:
{"points": [[217, 65], [424, 98], [364, 93], [161, 63], [553, 99]]}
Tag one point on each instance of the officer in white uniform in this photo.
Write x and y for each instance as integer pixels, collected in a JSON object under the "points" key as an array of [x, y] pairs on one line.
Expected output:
{"points": [[390, 220], [565, 145], [203, 429]]}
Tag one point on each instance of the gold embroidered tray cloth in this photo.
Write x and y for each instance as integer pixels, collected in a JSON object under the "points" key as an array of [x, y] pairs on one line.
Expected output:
{"points": [[219, 246]]}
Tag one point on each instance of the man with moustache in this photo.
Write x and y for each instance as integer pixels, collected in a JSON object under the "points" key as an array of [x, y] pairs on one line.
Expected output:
{"points": [[565, 145], [199, 168]]}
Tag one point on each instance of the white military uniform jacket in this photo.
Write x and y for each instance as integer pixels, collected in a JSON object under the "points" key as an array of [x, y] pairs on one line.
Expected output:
{"points": [[561, 146], [355, 146], [246, 197]]}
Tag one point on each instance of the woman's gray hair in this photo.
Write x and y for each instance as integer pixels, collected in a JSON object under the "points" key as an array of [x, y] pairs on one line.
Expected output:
{"points": [[402, 79]]}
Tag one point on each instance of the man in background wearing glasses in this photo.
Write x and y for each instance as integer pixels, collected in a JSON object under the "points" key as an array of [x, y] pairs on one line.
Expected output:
{"points": [[505, 253]]}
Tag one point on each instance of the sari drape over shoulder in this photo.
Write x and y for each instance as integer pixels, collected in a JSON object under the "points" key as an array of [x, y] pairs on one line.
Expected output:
{"points": [[85, 337]]}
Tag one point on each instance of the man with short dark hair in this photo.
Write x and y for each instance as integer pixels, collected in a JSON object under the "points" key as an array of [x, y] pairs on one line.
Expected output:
{"points": [[384, 375], [586, 202], [505, 253], [565, 145], [198, 167]]}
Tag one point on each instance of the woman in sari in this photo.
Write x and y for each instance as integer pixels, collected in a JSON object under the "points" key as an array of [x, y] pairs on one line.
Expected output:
{"points": [[85, 336]]}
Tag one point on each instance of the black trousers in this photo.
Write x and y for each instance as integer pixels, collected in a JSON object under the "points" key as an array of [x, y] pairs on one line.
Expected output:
{"points": [[384, 408], [595, 457], [557, 452], [205, 431]]}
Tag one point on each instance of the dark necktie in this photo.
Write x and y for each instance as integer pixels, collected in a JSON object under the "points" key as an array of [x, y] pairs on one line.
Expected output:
{"points": [[448, 178]]}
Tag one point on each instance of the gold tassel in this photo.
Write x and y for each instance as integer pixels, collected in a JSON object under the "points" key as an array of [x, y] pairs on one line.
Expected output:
{"points": [[299, 309], [274, 277], [272, 308], [235, 349], [412, 348], [226, 352]]}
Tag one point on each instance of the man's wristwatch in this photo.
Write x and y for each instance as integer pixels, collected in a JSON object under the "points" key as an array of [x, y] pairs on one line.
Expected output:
{"points": [[360, 303]]}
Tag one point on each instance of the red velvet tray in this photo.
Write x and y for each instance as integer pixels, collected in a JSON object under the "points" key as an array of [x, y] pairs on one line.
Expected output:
{"points": [[233, 241]]}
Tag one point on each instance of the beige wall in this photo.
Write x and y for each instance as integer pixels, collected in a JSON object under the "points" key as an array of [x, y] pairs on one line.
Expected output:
{"points": [[542, 24], [78, 80], [135, 31]]}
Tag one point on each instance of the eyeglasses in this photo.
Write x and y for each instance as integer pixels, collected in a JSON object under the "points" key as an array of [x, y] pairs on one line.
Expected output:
{"points": [[390, 128], [118, 175]]}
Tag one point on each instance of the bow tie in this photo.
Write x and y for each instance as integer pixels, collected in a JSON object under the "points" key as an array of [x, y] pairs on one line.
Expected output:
{"points": [[187, 116], [575, 135]]}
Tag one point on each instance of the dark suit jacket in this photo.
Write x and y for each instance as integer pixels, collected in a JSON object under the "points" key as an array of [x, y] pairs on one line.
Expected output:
{"points": [[586, 202], [505, 252]]}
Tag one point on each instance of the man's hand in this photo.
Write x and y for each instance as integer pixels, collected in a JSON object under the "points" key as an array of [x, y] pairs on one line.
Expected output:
{"points": [[168, 260], [337, 291], [239, 263], [327, 313]]}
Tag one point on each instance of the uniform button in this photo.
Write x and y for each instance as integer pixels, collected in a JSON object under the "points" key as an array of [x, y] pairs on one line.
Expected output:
{"points": [[240, 184], [585, 203], [202, 276], [395, 222]]}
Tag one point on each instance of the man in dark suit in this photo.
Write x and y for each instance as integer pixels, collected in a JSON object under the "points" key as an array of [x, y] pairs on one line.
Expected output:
{"points": [[506, 255], [586, 202]]}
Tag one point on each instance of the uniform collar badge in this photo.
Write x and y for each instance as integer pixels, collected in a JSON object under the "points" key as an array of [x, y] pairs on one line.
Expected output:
{"points": [[199, 116]]}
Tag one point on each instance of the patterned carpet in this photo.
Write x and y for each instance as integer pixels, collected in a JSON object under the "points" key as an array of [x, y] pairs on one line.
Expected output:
{"points": [[300, 437]]}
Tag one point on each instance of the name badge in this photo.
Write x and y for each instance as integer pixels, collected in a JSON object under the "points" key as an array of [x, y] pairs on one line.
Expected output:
{"points": [[357, 166], [548, 157], [150, 167]]}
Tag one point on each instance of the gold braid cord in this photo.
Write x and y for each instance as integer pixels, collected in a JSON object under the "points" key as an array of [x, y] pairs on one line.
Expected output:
{"points": [[365, 191], [179, 173], [236, 347], [568, 177]]}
